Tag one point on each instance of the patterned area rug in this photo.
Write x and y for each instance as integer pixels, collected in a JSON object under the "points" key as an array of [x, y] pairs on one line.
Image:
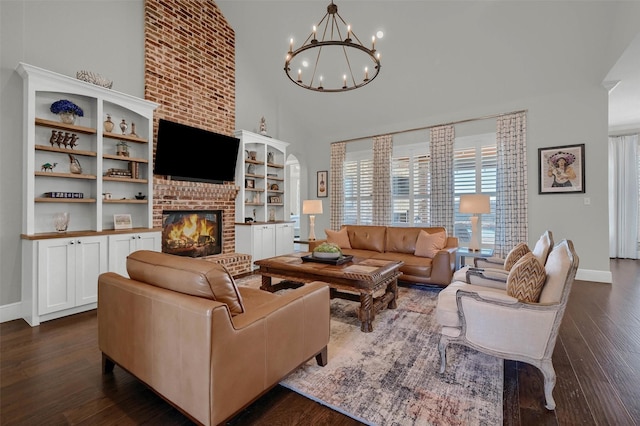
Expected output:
{"points": [[391, 376]]}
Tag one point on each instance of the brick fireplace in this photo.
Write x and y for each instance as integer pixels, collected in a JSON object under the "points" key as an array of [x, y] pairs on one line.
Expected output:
{"points": [[193, 80]]}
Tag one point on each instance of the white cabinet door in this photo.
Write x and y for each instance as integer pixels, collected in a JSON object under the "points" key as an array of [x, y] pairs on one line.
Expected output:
{"points": [[284, 238], [122, 245], [68, 270], [264, 241], [91, 261], [56, 275]]}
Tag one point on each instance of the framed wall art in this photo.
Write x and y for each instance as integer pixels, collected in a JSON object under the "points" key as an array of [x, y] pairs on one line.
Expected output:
{"points": [[561, 169], [122, 221], [323, 183]]}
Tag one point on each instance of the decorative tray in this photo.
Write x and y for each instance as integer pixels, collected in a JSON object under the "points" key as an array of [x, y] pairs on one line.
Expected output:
{"points": [[338, 261]]}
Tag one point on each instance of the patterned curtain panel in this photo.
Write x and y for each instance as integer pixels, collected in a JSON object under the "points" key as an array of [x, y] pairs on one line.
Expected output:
{"points": [[442, 200], [336, 182], [511, 182], [382, 152]]}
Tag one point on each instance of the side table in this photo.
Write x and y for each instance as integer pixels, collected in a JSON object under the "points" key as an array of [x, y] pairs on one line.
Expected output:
{"points": [[463, 252]]}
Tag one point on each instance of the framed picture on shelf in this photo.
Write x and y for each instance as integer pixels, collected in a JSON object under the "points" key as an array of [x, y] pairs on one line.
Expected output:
{"points": [[122, 221], [323, 183], [561, 169], [275, 199], [249, 183]]}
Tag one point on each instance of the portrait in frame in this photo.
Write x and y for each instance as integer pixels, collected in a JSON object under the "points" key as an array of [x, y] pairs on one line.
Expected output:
{"points": [[561, 169]]}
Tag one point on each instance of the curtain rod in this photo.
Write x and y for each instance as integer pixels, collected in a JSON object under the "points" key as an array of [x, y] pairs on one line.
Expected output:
{"points": [[486, 117], [633, 132]]}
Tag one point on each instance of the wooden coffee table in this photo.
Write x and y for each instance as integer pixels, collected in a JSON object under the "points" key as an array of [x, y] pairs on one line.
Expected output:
{"points": [[364, 277]]}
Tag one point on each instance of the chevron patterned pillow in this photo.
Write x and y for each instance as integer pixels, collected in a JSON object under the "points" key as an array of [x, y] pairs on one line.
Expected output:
{"points": [[514, 255], [526, 279]]}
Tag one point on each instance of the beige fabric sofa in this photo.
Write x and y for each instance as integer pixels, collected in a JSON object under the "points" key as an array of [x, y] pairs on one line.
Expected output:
{"points": [[183, 327], [399, 243]]}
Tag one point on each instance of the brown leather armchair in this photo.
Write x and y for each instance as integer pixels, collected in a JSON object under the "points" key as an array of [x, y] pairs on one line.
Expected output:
{"points": [[209, 348]]}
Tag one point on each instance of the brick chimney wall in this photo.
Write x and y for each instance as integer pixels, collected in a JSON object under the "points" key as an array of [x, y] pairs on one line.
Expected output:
{"points": [[190, 72]]}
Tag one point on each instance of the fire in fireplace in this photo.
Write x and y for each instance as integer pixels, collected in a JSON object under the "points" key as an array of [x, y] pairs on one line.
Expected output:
{"points": [[192, 233]]}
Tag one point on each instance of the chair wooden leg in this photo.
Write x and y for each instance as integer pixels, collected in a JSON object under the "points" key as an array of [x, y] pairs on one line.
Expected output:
{"points": [[442, 347], [107, 365], [549, 383], [322, 357]]}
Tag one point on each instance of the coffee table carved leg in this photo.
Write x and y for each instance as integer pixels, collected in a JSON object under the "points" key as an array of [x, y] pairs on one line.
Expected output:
{"points": [[367, 313], [266, 284], [393, 288]]}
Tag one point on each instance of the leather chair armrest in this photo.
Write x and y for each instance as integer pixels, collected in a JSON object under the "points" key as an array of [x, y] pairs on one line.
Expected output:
{"points": [[442, 266]]}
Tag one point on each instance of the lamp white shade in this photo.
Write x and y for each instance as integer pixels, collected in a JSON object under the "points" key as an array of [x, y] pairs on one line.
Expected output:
{"points": [[312, 207], [475, 204]]}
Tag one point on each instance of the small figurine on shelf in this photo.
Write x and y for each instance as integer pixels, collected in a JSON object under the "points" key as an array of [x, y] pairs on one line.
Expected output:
{"points": [[74, 141], [272, 215], [54, 137], [67, 138], [140, 196], [108, 124], [270, 157], [48, 167], [123, 127], [74, 165], [263, 126], [133, 129]]}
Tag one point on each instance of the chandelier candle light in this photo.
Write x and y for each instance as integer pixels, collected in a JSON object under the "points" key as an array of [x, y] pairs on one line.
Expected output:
{"points": [[339, 58], [312, 208], [475, 204]]}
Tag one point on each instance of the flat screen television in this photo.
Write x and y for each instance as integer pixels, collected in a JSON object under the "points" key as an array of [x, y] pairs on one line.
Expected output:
{"points": [[188, 153]]}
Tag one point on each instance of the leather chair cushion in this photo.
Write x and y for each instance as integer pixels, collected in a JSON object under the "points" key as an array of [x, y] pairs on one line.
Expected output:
{"points": [[428, 244], [186, 275], [526, 279], [340, 238], [514, 255]]}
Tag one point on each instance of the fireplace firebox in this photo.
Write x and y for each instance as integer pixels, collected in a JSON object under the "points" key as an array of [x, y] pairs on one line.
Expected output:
{"points": [[193, 233]]}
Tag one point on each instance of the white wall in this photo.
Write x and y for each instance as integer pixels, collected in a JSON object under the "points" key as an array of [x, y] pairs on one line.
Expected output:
{"points": [[106, 37]]}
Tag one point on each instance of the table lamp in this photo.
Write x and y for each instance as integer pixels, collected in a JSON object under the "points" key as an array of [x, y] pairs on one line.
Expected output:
{"points": [[312, 207], [475, 204]]}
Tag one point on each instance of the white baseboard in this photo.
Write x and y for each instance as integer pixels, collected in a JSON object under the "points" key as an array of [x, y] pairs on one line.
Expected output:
{"points": [[11, 312], [594, 275]]}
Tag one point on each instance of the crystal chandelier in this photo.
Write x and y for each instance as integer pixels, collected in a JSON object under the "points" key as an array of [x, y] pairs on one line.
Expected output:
{"points": [[342, 56]]}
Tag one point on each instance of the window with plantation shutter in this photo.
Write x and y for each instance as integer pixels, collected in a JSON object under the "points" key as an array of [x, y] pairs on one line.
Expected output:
{"points": [[474, 164], [358, 190], [410, 188]]}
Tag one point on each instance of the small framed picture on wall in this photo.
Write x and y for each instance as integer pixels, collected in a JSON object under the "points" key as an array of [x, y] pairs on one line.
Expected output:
{"points": [[561, 169], [323, 183]]}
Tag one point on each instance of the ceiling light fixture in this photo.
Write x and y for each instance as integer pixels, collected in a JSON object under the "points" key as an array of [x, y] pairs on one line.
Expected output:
{"points": [[341, 55]]}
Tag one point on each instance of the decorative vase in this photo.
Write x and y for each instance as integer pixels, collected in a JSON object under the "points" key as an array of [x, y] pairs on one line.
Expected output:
{"points": [[61, 221], [67, 117], [108, 124], [74, 165], [123, 126]]}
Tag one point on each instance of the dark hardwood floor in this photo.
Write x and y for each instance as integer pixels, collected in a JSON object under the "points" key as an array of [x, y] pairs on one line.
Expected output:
{"points": [[50, 375]]}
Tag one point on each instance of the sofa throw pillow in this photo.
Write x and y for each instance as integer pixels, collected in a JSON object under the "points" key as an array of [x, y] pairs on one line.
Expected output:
{"points": [[526, 279], [186, 275], [428, 244], [340, 238], [514, 255]]}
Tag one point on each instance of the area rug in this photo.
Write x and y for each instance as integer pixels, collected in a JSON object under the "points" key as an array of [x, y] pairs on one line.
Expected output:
{"points": [[391, 376]]}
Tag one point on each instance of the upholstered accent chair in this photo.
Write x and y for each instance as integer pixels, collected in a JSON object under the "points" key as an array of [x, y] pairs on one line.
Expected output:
{"points": [[493, 271], [491, 321]]}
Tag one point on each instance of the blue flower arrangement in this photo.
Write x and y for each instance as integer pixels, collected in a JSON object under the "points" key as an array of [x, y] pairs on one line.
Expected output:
{"points": [[64, 105]]}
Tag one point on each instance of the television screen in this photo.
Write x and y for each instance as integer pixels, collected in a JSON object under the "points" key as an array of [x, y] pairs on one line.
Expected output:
{"points": [[188, 153]]}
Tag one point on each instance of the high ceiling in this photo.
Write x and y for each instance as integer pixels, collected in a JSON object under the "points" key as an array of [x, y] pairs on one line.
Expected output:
{"points": [[495, 53]]}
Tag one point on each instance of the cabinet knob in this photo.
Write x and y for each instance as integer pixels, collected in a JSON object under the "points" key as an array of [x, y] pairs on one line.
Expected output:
{"points": [[72, 242], [139, 237], [79, 242], [133, 237]]}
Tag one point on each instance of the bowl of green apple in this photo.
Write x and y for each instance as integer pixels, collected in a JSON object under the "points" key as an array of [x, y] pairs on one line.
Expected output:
{"points": [[327, 251]]}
